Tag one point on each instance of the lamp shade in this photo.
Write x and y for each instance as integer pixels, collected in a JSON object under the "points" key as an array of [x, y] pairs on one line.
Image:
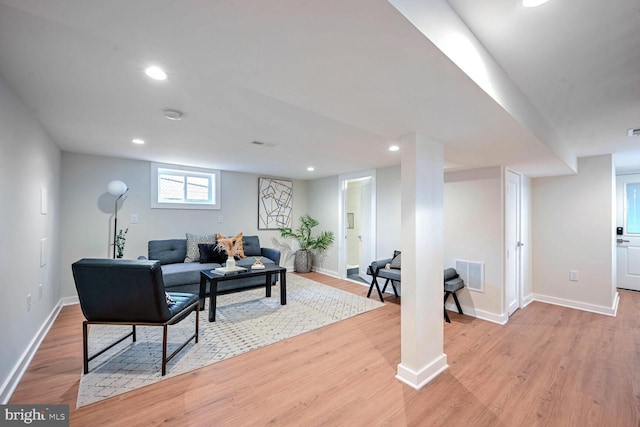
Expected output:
{"points": [[117, 188]]}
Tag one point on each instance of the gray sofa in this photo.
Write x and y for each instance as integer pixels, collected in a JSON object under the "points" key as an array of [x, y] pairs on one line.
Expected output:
{"points": [[181, 276]]}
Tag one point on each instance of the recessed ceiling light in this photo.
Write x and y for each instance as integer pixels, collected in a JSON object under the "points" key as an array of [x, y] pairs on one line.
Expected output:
{"points": [[394, 148], [137, 141], [156, 73], [172, 114], [533, 3], [311, 168]]}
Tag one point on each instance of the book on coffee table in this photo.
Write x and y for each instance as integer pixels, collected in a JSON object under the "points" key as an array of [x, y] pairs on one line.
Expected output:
{"points": [[225, 270]]}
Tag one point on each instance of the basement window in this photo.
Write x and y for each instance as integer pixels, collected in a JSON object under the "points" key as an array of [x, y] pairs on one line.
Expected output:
{"points": [[184, 187]]}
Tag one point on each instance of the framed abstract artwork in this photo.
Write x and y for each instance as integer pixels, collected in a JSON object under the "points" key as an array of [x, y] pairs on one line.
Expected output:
{"points": [[275, 202]]}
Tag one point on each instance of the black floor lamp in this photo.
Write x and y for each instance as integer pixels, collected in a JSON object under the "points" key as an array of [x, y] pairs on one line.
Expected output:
{"points": [[117, 188]]}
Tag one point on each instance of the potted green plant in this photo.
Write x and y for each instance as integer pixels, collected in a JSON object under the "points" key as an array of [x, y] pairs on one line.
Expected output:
{"points": [[303, 259], [120, 241]]}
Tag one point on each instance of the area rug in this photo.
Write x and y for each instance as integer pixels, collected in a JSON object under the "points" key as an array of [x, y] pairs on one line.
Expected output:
{"points": [[245, 321]]}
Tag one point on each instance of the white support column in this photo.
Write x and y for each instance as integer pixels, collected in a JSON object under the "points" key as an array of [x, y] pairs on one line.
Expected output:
{"points": [[422, 330]]}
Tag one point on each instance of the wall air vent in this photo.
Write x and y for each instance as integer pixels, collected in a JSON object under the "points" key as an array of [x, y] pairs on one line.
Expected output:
{"points": [[263, 144], [472, 272], [633, 132]]}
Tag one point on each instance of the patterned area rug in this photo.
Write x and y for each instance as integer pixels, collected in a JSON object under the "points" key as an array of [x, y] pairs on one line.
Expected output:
{"points": [[244, 321]]}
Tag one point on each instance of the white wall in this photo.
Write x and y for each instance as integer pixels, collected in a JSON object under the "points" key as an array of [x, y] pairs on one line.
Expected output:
{"points": [[388, 197], [573, 229], [88, 210], [473, 231], [29, 161], [322, 204]]}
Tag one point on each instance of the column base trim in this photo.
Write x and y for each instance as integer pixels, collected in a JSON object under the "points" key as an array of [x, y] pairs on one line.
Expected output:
{"points": [[417, 380]]}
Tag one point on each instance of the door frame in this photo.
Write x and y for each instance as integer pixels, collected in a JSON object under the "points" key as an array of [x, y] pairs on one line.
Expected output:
{"points": [[518, 252], [342, 218], [621, 254]]}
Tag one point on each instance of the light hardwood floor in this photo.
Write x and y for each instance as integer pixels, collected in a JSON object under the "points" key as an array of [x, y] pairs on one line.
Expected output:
{"points": [[549, 366]]}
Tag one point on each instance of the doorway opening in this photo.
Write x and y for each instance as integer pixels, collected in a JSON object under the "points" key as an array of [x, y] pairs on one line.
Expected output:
{"points": [[357, 225]]}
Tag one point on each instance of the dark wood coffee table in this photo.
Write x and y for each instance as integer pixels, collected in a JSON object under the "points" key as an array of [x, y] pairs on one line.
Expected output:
{"points": [[213, 277]]}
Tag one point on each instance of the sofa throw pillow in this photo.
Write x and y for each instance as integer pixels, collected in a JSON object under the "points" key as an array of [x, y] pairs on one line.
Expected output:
{"points": [[233, 245], [251, 246], [397, 260], [209, 253], [193, 253]]}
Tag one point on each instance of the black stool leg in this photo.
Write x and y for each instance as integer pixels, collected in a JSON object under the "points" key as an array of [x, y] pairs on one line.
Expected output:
{"points": [[395, 291], [455, 298], [374, 282], [446, 315]]}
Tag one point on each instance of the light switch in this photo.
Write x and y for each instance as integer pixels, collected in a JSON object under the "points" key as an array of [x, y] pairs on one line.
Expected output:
{"points": [[134, 218]]}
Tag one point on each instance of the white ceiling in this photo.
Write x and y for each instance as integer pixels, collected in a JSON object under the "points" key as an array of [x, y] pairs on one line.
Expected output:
{"points": [[327, 83]]}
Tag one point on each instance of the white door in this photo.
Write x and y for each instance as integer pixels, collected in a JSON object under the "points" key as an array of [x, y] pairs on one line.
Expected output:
{"points": [[365, 228], [628, 217], [513, 244]]}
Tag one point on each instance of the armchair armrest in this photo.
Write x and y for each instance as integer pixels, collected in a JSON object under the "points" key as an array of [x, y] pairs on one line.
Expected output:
{"points": [[377, 265], [272, 254]]}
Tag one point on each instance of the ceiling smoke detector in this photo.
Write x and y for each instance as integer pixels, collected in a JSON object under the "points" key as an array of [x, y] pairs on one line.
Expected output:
{"points": [[633, 132], [173, 114]]}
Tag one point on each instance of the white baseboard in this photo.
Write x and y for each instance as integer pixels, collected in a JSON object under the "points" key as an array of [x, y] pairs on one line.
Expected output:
{"points": [[419, 379], [325, 271], [69, 301], [527, 300], [500, 319], [20, 368], [599, 309]]}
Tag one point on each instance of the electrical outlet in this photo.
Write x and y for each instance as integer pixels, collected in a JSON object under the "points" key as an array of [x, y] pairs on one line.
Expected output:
{"points": [[220, 219], [29, 302], [573, 275], [40, 290]]}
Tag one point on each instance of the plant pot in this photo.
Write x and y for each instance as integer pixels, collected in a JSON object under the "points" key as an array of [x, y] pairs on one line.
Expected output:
{"points": [[302, 262]]}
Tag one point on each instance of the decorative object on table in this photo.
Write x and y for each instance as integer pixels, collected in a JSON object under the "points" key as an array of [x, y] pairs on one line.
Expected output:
{"points": [[117, 188], [275, 203], [258, 264], [120, 241], [232, 246], [303, 257]]}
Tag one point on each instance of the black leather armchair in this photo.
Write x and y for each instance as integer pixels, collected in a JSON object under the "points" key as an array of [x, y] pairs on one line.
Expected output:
{"points": [[129, 292]]}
